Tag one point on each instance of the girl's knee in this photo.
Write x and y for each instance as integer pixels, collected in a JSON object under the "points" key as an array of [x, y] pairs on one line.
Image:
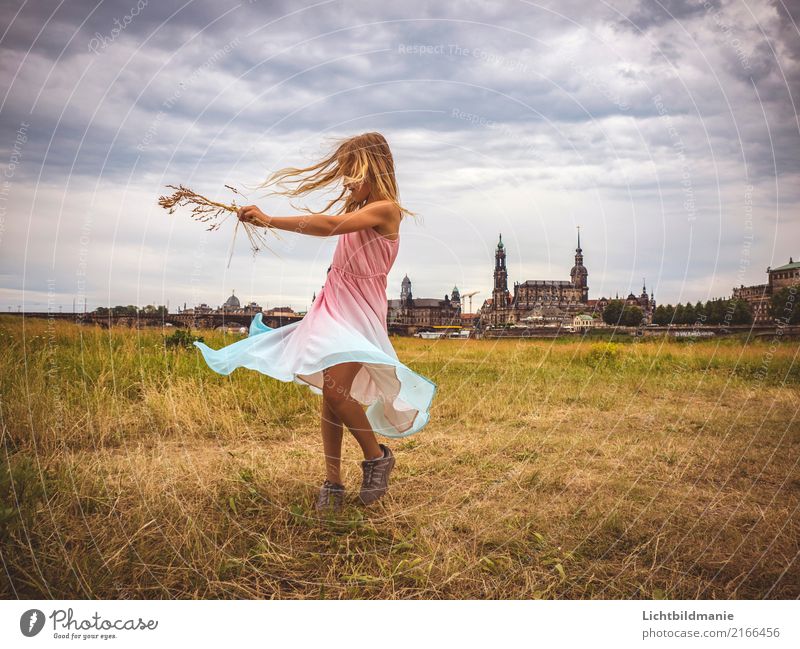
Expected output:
{"points": [[335, 396], [336, 388]]}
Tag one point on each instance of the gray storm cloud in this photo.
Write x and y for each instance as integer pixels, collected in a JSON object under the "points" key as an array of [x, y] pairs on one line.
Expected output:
{"points": [[649, 124]]}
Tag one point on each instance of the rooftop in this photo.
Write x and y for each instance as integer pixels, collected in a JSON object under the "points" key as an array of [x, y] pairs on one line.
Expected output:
{"points": [[546, 282], [790, 266]]}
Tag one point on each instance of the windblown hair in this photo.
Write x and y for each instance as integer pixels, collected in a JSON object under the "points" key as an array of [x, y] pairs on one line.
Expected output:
{"points": [[360, 157]]}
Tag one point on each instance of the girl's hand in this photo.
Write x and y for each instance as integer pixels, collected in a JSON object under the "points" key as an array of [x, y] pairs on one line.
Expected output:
{"points": [[251, 214]]}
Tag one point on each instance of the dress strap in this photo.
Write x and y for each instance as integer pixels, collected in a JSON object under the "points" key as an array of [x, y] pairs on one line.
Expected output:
{"points": [[350, 272]]}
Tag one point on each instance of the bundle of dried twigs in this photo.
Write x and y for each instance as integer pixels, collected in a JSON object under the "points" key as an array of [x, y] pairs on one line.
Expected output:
{"points": [[207, 211]]}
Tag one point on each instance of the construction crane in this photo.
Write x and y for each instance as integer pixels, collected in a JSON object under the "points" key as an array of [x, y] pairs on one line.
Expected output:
{"points": [[468, 295]]}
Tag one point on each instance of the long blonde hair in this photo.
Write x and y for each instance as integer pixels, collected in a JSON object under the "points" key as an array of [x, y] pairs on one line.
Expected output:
{"points": [[360, 157]]}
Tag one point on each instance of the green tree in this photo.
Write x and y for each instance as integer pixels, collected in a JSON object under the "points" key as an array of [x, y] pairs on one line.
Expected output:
{"points": [[784, 305], [632, 316], [120, 310], [742, 312], [613, 312], [620, 314], [700, 313], [689, 314], [718, 308], [711, 311]]}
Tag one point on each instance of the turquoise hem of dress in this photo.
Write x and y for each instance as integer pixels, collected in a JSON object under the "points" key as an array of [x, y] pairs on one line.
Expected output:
{"points": [[217, 361]]}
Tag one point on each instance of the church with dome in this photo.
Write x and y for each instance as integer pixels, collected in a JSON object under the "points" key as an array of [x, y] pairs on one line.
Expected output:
{"points": [[231, 306]]}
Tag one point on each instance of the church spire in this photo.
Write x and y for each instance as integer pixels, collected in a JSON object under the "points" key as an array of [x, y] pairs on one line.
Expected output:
{"points": [[579, 275], [500, 272], [406, 298]]}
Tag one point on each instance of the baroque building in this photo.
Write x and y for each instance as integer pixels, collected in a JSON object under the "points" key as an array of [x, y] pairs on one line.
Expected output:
{"points": [[410, 311], [548, 300], [759, 296], [645, 303], [231, 306]]}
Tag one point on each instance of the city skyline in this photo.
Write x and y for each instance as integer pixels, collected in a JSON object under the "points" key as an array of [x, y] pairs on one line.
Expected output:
{"points": [[669, 136], [478, 297]]}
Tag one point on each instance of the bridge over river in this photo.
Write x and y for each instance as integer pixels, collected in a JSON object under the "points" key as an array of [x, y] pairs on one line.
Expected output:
{"points": [[183, 320]]}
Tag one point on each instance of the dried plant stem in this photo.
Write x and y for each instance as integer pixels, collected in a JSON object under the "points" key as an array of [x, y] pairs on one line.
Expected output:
{"points": [[207, 211], [230, 251]]}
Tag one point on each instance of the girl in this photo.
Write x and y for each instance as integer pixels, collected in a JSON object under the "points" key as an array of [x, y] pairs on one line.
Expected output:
{"points": [[341, 349]]}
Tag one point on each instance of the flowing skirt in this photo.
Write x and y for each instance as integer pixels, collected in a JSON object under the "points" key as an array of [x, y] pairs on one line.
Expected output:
{"points": [[397, 398]]}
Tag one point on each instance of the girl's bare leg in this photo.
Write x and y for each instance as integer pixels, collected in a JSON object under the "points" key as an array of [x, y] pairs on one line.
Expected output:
{"points": [[332, 431], [336, 390]]}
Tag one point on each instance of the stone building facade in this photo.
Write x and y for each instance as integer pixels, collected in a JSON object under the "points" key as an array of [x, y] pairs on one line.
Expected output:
{"points": [[231, 306], [548, 301], [410, 311], [645, 303], [759, 295]]}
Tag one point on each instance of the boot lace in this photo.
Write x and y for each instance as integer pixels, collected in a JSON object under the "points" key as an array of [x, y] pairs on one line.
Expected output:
{"points": [[368, 473]]}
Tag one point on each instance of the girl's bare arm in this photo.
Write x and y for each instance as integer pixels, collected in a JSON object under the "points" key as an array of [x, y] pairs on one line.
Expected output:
{"points": [[322, 225]]}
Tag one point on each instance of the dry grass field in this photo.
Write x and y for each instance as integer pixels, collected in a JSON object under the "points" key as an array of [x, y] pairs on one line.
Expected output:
{"points": [[550, 469]]}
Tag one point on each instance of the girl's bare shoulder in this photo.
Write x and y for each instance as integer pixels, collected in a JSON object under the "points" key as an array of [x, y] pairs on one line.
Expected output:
{"points": [[388, 207], [393, 217]]}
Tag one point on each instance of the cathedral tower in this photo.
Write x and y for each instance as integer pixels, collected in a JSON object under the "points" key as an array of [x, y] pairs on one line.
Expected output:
{"points": [[500, 272], [406, 300], [579, 275], [500, 294]]}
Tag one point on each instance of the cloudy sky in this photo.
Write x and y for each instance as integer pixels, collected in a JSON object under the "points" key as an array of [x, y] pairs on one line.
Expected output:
{"points": [[666, 129]]}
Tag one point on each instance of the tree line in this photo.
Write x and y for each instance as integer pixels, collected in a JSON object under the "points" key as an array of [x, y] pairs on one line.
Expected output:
{"points": [[132, 310], [719, 311], [783, 305]]}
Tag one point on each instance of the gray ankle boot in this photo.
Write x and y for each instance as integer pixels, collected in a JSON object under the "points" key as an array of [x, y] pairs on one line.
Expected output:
{"points": [[376, 476], [331, 497]]}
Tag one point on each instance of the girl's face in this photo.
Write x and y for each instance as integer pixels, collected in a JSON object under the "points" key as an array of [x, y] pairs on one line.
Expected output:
{"points": [[358, 192]]}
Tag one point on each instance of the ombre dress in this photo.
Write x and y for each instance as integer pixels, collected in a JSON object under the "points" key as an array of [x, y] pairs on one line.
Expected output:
{"points": [[346, 323]]}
